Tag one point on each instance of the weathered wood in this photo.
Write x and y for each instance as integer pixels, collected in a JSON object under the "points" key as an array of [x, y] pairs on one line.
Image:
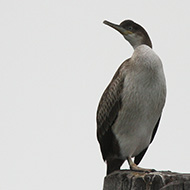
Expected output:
{"points": [[159, 180]]}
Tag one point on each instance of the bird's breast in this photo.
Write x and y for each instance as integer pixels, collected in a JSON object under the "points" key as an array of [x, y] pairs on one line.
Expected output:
{"points": [[143, 98]]}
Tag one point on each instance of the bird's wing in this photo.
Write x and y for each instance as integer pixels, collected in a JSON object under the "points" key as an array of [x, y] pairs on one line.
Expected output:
{"points": [[139, 157], [109, 106]]}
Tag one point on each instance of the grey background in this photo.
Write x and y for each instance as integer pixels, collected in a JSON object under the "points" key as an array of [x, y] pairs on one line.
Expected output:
{"points": [[56, 58]]}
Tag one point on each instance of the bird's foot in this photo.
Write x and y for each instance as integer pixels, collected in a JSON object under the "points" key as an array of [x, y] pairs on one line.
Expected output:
{"points": [[136, 168]]}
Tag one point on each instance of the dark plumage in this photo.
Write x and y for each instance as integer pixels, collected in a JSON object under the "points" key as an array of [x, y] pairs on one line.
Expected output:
{"points": [[136, 92]]}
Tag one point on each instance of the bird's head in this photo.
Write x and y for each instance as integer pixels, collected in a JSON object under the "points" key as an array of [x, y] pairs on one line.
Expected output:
{"points": [[134, 33]]}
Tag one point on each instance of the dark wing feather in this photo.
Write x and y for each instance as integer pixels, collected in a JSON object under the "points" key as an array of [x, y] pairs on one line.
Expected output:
{"points": [[139, 157], [107, 113]]}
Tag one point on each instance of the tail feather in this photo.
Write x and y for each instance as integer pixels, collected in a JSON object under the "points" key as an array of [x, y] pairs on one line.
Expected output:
{"points": [[113, 165]]}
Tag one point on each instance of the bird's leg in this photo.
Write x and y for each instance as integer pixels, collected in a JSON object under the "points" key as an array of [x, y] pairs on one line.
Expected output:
{"points": [[134, 167]]}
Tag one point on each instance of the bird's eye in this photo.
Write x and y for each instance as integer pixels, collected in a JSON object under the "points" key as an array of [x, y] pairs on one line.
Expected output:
{"points": [[130, 28]]}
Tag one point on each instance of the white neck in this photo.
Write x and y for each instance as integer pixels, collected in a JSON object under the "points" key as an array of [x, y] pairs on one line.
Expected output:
{"points": [[134, 40]]}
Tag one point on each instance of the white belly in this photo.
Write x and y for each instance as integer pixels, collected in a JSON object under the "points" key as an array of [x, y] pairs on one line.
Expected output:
{"points": [[143, 99]]}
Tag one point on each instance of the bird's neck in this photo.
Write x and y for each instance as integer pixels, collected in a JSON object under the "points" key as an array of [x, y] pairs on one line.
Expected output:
{"points": [[137, 40], [143, 42]]}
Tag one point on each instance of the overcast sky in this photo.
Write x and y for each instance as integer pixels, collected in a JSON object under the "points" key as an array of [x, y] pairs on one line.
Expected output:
{"points": [[56, 59]]}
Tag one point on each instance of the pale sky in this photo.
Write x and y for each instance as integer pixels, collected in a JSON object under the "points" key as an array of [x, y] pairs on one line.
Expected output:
{"points": [[56, 59]]}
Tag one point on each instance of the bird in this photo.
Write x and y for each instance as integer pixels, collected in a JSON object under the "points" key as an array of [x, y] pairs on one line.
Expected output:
{"points": [[131, 106]]}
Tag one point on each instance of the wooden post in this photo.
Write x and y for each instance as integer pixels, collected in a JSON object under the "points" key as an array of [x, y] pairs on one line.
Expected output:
{"points": [[159, 180]]}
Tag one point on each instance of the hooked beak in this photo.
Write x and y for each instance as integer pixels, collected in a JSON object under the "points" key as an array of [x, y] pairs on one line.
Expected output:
{"points": [[119, 28]]}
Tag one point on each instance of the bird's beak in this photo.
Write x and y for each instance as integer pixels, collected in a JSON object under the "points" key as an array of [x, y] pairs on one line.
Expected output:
{"points": [[119, 28]]}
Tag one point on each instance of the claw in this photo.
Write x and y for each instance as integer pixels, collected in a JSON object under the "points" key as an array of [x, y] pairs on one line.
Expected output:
{"points": [[134, 167]]}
